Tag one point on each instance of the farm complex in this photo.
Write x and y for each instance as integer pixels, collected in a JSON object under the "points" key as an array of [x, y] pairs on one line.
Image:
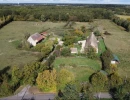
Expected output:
{"points": [[64, 52]]}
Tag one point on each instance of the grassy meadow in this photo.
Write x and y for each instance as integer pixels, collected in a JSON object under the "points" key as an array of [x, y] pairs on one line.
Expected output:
{"points": [[81, 67], [119, 44], [123, 16], [15, 31]]}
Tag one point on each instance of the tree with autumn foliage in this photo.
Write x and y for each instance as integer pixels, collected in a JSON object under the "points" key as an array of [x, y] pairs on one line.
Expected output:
{"points": [[64, 77], [98, 81], [46, 80], [115, 80]]}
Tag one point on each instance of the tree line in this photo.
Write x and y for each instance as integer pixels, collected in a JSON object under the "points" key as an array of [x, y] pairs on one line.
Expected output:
{"points": [[55, 13], [5, 20], [122, 22]]}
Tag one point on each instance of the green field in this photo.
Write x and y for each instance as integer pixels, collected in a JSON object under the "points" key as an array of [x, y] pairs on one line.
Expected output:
{"points": [[118, 42], [15, 31], [123, 16], [101, 46], [82, 67]]}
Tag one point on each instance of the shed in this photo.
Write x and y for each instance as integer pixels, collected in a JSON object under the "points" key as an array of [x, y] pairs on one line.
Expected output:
{"points": [[115, 59], [74, 50]]}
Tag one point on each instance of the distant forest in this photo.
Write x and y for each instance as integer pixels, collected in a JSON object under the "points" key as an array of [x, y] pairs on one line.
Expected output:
{"points": [[62, 13], [80, 13]]}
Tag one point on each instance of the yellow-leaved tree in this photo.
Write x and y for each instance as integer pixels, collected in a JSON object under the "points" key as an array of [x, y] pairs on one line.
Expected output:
{"points": [[46, 80], [64, 77]]}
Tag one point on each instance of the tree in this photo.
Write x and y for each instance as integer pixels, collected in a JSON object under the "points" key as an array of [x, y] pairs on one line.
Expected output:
{"points": [[64, 77], [83, 29], [43, 18], [106, 58], [46, 80], [5, 87], [115, 80], [70, 93], [98, 80], [30, 72], [65, 52], [129, 27], [16, 75], [91, 53], [56, 41], [50, 60], [78, 32]]}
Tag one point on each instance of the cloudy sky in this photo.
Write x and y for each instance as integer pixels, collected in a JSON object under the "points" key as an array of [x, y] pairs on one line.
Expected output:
{"points": [[69, 1]]}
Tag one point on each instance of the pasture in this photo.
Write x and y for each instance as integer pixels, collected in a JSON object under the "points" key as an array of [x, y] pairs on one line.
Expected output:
{"points": [[15, 31], [123, 16], [81, 67], [119, 44]]}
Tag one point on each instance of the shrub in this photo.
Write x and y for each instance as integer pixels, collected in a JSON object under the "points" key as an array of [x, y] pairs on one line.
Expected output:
{"points": [[65, 52], [97, 33]]}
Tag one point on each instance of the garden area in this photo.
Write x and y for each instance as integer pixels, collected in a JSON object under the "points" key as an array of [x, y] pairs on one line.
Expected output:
{"points": [[82, 67]]}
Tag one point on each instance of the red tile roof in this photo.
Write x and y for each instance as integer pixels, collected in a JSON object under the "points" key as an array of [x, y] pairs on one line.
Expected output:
{"points": [[37, 37]]}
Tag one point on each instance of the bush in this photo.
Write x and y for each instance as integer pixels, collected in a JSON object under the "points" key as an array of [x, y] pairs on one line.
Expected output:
{"points": [[97, 33], [91, 53], [65, 52], [106, 58]]}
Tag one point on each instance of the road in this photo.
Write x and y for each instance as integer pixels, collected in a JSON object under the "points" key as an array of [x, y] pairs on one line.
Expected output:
{"points": [[102, 95], [25, 95]]}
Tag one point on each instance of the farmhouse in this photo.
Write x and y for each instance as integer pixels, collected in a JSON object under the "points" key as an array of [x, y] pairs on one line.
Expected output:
{"points": [[91, 41], [35, 38]]}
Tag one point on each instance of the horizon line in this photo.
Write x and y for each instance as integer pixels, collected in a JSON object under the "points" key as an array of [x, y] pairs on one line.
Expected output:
{"points": [[64, 3]]}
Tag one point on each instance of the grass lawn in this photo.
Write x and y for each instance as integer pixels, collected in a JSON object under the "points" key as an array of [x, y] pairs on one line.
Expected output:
{"points": [[123, 16], [15, 31], [119, 43], [101, 46], [82, 67]]}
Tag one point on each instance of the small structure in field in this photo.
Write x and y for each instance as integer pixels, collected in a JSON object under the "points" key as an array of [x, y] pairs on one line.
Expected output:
{"points": [[115, 59], [35, 38], [91, 41], [74, 50]]}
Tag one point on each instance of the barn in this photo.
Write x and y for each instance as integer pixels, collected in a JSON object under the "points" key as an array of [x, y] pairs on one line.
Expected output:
{"points": [[35, 38]]}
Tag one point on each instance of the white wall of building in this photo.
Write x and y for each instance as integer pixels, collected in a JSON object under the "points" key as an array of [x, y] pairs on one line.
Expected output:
{"points": [[31, 41]]}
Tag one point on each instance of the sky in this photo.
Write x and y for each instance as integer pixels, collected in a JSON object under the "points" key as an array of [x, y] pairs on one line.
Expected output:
{"points": [[69, 1]]}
